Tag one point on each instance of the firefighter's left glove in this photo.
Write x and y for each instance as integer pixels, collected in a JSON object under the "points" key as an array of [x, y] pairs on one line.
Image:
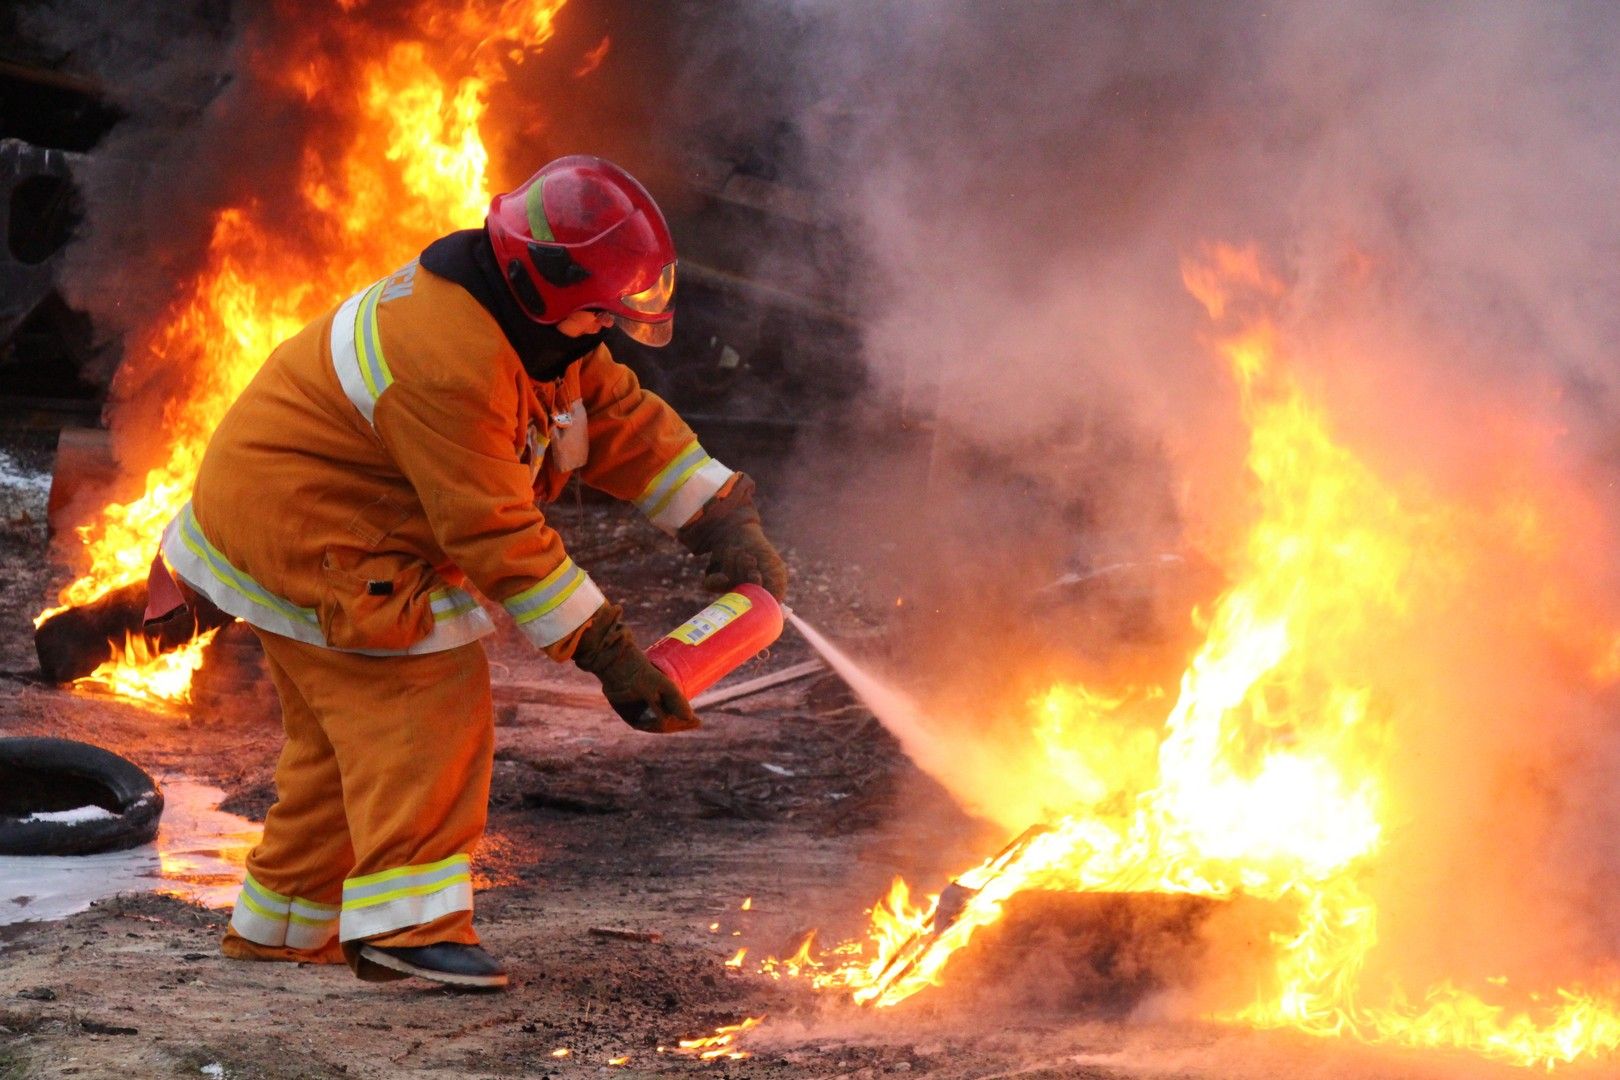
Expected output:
{"points": [[642, 695], [728, 531]]}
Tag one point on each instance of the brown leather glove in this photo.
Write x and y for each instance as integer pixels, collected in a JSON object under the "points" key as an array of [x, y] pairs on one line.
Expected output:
{"points": [[727, 530], [642, 695]]}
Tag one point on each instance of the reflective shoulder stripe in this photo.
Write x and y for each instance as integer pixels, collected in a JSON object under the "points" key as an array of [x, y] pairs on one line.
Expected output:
{"points": [[682, 487], [357, 354], [457, 616], [405, 896], [556, 605]]}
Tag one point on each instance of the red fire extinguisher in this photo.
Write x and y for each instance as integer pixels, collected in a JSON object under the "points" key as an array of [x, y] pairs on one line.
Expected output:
{"points": [[714, 642]]}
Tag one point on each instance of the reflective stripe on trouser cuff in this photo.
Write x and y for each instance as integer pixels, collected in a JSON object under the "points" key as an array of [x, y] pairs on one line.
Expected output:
{"points": [[457, 616], [556, 605], [405, 896], [682, 487], [311, 925], [357, 353], [269, 918]]}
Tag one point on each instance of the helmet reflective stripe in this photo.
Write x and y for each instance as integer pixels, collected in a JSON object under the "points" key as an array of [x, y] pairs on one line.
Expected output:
{"points": [[534, 204]]}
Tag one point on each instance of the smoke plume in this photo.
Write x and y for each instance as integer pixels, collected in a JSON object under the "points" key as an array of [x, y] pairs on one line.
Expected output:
{"points": [[1434, 187]]}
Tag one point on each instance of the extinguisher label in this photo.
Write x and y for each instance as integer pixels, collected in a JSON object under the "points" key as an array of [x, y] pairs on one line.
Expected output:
{"points": [[712, 618]]}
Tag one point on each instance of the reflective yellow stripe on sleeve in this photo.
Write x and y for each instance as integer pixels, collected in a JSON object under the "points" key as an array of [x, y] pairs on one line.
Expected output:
{"points": [[682, 487], [556, 605]]}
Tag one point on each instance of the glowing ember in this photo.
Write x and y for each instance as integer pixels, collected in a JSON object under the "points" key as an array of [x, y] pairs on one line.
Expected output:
{"points": [[719, 1045], [406, 165], [1271, 774], [736, 961]]}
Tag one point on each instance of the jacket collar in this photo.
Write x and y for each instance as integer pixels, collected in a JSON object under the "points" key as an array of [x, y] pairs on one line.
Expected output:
{"points": [[466, 258]]}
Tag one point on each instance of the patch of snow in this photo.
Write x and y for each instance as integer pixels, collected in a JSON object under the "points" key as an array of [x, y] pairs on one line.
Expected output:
{"points": [[15, 477], [197, 856], [213, 1069], [76, 816]]}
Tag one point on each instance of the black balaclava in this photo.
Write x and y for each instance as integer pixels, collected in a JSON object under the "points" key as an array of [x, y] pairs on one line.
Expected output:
{"points": [[466, 258]]}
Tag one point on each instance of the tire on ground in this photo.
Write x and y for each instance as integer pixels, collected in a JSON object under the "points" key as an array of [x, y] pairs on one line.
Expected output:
{"points": [[48, 776]]}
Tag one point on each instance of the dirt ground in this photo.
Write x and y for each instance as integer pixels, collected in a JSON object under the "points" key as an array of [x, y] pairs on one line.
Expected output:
{"points": [[795, 798], [592, 825]]}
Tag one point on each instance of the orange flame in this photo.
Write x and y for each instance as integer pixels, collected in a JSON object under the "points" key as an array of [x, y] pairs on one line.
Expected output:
{"points": [[410, 167], [139, 673], [594, 58], [1269, 776], [721, 1044]]}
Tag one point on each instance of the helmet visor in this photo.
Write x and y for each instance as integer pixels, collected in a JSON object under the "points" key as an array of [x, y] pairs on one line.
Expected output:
{"points": [[655, 298], [656, 334]]}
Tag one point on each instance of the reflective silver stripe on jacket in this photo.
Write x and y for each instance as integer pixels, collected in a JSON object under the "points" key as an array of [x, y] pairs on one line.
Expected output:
{"points": [[682, 487], [190, 555], [556, 605], [457, 616]]}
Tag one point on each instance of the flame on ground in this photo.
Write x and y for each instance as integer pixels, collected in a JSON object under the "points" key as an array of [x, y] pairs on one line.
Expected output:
{"points": [[139, 673], [406, 164], [1269, 776], [722, 1044]]}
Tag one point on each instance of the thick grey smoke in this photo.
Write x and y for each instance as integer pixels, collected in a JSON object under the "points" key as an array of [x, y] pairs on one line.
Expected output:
{"points": [[1434, 184], [1017, 185], [153, 184]]}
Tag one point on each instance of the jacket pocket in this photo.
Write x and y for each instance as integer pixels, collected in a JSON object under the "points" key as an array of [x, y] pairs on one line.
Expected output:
{"points": [[374, 600], [571, 446]]}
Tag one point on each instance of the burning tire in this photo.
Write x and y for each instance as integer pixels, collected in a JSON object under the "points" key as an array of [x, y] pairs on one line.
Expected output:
{"points": [[60, 797]]}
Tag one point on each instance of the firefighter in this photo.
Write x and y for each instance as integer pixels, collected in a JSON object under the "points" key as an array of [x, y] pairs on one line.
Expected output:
{"points": [[386, 461]]}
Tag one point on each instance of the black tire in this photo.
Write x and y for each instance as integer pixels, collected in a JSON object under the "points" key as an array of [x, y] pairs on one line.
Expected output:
{"points": [[38, 774]]}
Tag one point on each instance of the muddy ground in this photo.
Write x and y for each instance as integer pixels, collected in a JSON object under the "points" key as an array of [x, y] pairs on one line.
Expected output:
{"points": [[795, 798]]}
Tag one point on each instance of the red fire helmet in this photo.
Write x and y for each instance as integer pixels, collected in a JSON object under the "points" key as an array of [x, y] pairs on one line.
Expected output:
{"points": [[582, 233]]}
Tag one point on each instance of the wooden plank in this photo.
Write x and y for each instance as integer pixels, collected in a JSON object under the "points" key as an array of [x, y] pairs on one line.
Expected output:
{"points": [[721, 694]]}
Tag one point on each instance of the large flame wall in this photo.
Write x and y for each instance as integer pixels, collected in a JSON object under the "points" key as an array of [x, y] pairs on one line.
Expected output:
{"points": [[375, 122]]}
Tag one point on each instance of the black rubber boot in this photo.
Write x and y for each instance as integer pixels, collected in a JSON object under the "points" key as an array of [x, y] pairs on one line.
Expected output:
{"points": [[466, 966]]}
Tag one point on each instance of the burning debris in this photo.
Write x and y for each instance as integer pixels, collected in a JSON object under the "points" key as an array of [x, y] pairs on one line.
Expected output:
{"points": [[1281, 768], [1272, 777], [393, 158]]}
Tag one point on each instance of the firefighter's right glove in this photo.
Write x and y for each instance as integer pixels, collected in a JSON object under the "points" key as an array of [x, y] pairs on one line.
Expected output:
{"points": [[642, 695], [727, 530]]}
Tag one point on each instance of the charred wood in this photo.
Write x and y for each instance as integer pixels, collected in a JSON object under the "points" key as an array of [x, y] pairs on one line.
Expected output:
{"points": [[73, 643]]}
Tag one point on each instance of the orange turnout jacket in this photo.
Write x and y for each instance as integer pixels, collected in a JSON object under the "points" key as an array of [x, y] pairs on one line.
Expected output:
{"points": [[394, 452]]}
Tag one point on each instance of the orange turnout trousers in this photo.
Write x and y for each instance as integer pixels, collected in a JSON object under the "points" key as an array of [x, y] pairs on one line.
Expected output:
{"points": [[382, 790]]}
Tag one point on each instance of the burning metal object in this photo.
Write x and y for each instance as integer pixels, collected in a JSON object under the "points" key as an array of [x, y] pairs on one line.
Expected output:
{"points": [[948, 910], [77, 642]]}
